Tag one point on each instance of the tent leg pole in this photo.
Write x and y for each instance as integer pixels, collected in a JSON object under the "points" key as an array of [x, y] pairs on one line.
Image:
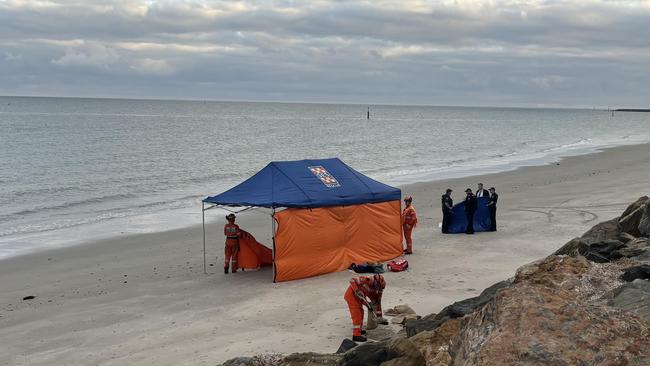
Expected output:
{"points": [[273, 240], [203, 219]]}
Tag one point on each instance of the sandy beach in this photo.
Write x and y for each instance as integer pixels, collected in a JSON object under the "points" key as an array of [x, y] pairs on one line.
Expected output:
{"points": [[144, 299]]}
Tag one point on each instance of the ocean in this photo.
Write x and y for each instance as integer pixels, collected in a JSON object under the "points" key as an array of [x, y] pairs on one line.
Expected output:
{"points": [[74, 169]]}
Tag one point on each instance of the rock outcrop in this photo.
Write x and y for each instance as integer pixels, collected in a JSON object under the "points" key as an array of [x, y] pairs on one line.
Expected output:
{"points": [[603, 231], [552, 315], [634, 297], [615, 238], [636, 272], [310, 359], [644, 222], [631, 217], [259, 360], [394, 351], [597, 251], [455, 310], [587, 304]]}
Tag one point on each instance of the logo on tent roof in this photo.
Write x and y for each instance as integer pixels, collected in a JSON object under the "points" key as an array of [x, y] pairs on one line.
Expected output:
{"points": [[324, 176]]}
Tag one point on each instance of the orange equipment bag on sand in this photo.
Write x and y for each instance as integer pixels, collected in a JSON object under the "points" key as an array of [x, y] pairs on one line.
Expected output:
{"points": [[398, 265], [252, 254]]}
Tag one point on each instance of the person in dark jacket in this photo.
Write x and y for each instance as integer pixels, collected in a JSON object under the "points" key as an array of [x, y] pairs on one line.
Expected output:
{"points": [[470, 208], [447, 205], [480, 192], [492, 206]]}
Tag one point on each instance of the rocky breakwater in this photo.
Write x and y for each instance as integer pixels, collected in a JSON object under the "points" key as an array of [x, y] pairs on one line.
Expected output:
{"points": [[586, 304]]}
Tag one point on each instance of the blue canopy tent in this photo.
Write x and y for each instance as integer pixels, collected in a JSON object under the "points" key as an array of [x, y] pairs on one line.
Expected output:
{"points": [[306, 188], [293, 184]]}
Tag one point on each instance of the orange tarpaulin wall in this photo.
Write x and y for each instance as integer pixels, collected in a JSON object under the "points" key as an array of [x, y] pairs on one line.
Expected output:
{"points": [[315, 241], [252, 254]]}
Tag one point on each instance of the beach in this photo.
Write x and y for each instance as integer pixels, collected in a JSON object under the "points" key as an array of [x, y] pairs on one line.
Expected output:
{"points": [[143, 299]]}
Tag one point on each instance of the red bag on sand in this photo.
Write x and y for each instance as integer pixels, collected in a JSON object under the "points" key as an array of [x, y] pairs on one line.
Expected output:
{"points": [[398, 265]]}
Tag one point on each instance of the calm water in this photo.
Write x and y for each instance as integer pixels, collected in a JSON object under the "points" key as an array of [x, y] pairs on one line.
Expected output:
{"points": [[77, 169]]}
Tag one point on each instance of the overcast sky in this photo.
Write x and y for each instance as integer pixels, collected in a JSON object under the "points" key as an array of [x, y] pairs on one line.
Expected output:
{"points": [[502, 53]]}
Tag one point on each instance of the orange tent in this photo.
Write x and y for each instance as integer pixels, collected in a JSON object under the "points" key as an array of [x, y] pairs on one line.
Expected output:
{"points": [[315, 241], [334, 216]]}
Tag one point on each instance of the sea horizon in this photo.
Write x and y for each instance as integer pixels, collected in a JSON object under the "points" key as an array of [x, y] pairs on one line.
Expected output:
{"points": [[354, 103]]}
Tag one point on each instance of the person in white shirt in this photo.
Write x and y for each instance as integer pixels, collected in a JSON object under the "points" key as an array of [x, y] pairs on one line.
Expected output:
{"points": [[480, 192]]}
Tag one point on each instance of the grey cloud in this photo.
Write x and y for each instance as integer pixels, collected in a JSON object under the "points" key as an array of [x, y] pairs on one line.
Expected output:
{"points": [[464, 52], [94, 55]]}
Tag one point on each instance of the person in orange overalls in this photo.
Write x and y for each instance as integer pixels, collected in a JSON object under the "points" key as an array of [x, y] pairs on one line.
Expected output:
{"points": [[409, 221], [364, 291], [232, 233]]}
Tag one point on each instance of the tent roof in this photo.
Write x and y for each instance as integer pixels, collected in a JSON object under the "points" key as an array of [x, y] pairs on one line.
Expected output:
{"points": [[306, 183]]}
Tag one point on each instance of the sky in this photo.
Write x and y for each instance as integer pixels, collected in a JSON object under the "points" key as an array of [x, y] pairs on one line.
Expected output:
{"points": [[463, 52]]}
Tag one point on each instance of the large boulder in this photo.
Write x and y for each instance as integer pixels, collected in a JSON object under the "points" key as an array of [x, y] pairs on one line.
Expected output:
{"points": [[638, 247], [604, 251], [600, 251], [636, 272], [630, 223], [635, 206], [575, 247], [625, 237], [259, 360], [605, 230], [391, 352], [310, 359], [467, 306], [434, 344], [240, 361], [346, 345], [547, 317], [455, 310], [628, 252], [644, 222], [428, 322], [634, 297]]}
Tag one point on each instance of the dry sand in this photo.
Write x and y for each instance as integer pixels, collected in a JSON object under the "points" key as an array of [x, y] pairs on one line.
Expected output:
{"points": [[144, 300]]}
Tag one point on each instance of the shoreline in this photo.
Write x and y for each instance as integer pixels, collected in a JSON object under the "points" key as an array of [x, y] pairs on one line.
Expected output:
{"points": [[143, 299], [456, 174]]}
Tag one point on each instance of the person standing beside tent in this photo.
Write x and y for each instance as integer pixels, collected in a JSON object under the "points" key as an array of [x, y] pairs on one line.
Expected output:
{"points": [[364, 291], [231, 250], [409, 221], [470, 208]]}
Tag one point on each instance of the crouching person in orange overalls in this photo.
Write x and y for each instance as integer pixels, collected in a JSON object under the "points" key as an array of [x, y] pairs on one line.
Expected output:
{"points": [[232, 233], [364, 291]]}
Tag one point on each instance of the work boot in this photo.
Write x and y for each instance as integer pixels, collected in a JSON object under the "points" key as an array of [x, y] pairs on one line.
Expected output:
{"points": [[381, 320], [225, 270], [359, 339]]}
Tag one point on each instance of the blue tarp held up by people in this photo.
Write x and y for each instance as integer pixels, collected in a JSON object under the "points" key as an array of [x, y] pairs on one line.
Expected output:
{"points": [[306, 184], [458, 220]]}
